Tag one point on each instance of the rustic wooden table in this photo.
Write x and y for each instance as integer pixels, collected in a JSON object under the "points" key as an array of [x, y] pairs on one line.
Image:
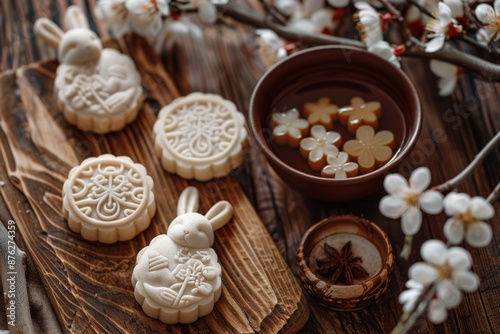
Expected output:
{"points": [[227, 63]]}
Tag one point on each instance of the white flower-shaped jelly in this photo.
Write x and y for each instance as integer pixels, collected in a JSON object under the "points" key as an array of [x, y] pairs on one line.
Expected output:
{"points": [[339, 167], [406, 199], [314, 148], [467, 219], [289, 128]]}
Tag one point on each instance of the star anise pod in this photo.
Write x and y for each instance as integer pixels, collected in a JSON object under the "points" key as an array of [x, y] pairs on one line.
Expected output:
{"points": [[341, 267]]}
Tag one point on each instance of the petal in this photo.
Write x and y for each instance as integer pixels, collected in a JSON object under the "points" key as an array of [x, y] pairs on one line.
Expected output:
{"points": [[448, 293], [485, 13], [454, 231], [443, 69], [431, 202], [456, 204], [338, 3], [333, 137], [301, 124], [329, 171], [310, 6], [423, 273], [395, 184], [363, 133], [382, 154], [392, 207], [435, 44], [383, 138], [420, 179], [343, 158], [207, 12], [459, 258], [434, 251], [280, 130], [447, 86], [316, 154], [479, 234], [351, 167], [318, 131], [411, 284], [341, 174], [466, 281], [445, 14], [496, 4], [308, 144], [409, 298], [411, 220], [481, 208], [292, 114], [366, 160], [437, 311], [354, 148]]}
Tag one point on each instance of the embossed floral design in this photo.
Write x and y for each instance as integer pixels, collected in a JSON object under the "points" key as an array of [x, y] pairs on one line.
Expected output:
{"points": [[339, 167], [371, 150], [108, 192], [84, 91], [360, 113], [315, 148], [289, 128], [322, 112]]}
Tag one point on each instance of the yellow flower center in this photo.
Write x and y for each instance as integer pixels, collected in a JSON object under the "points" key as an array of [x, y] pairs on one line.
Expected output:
{"points": [[412, 197], [466, 218], [445, 271]]}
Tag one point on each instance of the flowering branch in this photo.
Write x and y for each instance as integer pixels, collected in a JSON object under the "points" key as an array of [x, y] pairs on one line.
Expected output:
{"points": [[483, 69], [477, 160]]}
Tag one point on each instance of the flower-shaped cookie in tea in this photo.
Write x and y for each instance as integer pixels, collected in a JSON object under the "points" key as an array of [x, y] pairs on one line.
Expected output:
{"points": [[339, 167], [288, 128], [371, 150], [360, 113], [321, 112], [315, 148]]}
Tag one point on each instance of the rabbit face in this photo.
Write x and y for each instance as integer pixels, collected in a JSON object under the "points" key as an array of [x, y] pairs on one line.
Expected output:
{"points": [[79, 47], [191, 230]]}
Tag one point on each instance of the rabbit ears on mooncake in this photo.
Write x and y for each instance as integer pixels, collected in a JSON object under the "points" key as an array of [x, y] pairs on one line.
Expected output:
{"points": [[52, 34], [218, 215]]}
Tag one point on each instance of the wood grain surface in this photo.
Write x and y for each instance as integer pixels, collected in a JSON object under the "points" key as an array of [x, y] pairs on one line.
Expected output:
{"points": [[225, 62]]}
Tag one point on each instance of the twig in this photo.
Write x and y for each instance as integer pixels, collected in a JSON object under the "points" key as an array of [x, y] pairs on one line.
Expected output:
{"points": [[408, 320], [12, 272], [495, 194], [484, 69], [477, 160], [405, 30], [422, 8]]}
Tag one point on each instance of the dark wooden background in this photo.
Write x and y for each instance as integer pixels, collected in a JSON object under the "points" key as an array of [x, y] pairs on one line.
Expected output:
{"points": [[226, 62]]}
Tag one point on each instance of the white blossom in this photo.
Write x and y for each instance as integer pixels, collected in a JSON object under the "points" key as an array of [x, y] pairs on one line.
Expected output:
{"points": [[114, 14], [490, 18], [448, 75], [369, 24], [438, 28], [207, 12], [456, 7], [311, 16], [467, 216], [384, 50], [436, 311], [146, 15], [406, 199], [271, 46], [448, 269]]}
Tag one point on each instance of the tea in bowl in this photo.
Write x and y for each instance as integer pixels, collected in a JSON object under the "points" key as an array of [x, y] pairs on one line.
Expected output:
{"points": [[334, 96]]}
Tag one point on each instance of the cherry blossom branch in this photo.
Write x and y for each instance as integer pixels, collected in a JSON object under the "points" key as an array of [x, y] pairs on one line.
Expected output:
{"points": [[408, 319], [495, 194], [483, 69], [450, 184]]}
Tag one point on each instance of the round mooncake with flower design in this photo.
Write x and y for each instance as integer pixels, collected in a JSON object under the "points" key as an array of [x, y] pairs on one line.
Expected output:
{"points": [[200, 136], [108, 199]]}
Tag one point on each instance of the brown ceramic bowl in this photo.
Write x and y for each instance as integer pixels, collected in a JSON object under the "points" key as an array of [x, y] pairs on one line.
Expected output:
{"points": [[340, 73], [368, 242]]}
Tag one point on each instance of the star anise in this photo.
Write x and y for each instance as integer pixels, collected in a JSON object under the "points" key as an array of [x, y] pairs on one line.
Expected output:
{"points": [[341, 267]]}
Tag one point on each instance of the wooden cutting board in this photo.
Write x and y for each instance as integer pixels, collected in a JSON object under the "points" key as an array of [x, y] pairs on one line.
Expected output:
{"points": [[88, 283]]}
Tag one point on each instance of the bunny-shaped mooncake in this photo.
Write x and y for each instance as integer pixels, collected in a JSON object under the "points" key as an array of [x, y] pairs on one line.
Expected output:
{"points": [[97, 89], [177, 277]]}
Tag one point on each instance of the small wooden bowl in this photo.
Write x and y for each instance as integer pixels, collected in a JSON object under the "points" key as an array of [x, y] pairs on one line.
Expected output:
{"points": [[368, 241]]}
